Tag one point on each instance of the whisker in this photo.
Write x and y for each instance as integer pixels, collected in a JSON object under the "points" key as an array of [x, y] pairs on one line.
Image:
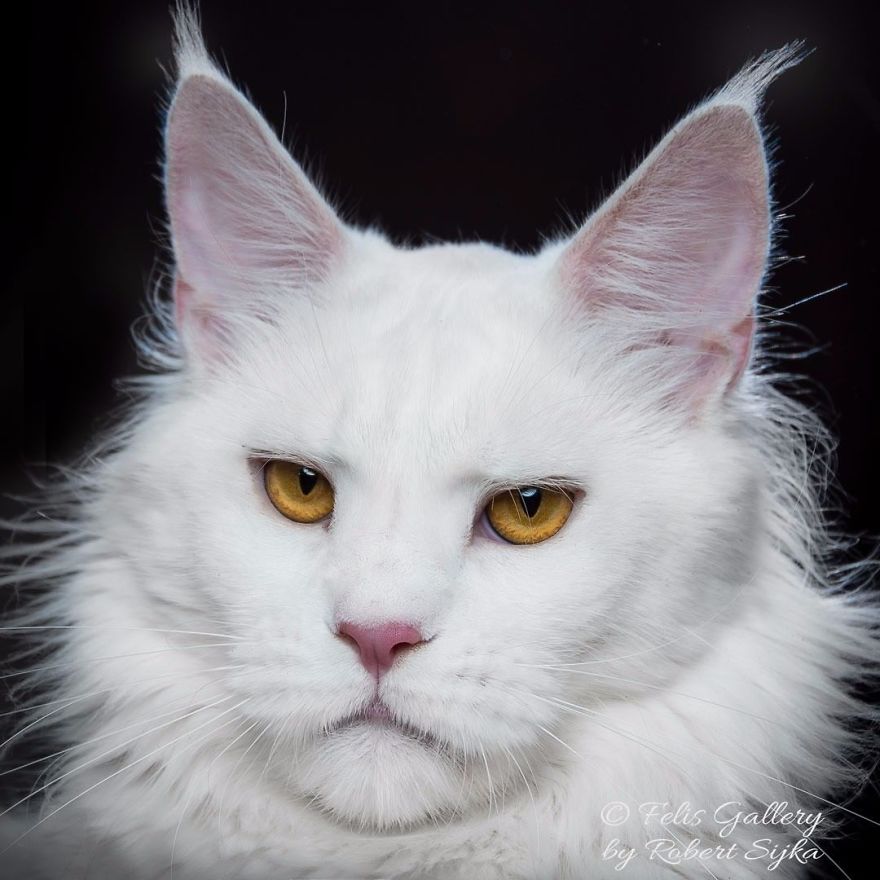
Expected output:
{"points": [[593, 714], [80, 663], [665, 644], [189, 798], [78, 697], [640, 741], [561, 742], [529, 790], [281, 730], [91, 741], [781, 311], [655, 687], [112, 751], [235, 768], [116, 773], [491, 792], [105, 627]]}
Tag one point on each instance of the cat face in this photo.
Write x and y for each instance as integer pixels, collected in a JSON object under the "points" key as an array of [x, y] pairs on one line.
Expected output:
{"points": [[420, 384], [420, 392]]}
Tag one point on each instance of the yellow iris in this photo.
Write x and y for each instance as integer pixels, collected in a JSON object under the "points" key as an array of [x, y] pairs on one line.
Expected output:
{"points": [[299, 492], [529, 514]]}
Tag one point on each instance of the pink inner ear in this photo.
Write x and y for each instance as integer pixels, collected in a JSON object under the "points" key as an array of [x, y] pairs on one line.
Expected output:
{"points": [[245, 219], [684, 242]]}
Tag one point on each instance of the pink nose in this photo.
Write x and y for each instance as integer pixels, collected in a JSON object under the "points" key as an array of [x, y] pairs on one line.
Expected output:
{"points": [[378, 645]]}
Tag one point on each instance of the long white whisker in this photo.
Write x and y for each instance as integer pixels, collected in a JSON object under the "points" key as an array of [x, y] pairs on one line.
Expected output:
{"points": [[91, 741], [561, 742], [69, 701], [281, 730], [665, 690], [81, 663], [106, 627], [640, 741], [232, 772], [112, 751], [531, 796], [591, 713], [491, 791], [189, 798], [116, 773]]}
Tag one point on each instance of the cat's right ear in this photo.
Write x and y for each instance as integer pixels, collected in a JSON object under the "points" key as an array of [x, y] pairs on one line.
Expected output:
{"points": [[678, 254], [247, 225]]}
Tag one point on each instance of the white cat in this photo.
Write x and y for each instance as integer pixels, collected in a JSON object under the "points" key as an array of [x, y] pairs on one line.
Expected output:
{"points": [[447, 562]]}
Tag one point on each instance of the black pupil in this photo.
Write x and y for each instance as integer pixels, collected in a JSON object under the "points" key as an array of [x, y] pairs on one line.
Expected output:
{"points": [[531, 499], [307, 479]]}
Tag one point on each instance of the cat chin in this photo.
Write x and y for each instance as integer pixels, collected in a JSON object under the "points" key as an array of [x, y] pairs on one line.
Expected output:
{"points": [[373, 776]]}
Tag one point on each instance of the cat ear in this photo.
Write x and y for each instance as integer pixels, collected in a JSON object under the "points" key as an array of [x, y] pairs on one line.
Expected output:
{"points": [[246, 223], [682, 246]]}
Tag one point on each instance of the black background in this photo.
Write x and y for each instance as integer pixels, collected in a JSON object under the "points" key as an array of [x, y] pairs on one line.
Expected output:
{"points": [[452, 121]]}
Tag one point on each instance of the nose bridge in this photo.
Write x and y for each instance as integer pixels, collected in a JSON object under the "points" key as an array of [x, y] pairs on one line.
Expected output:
{"points": [[388, 566], [386, 578]]}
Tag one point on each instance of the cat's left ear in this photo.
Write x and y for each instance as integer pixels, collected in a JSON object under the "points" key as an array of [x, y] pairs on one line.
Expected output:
{"points": [[248, 227], [681, 248]]}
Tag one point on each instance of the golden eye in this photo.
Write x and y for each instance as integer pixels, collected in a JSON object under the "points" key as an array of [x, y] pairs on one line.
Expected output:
{"points": [[299, 492], [529, 514]]}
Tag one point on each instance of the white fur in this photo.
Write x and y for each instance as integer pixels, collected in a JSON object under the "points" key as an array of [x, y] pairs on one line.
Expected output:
{"points": [[680, 640]]}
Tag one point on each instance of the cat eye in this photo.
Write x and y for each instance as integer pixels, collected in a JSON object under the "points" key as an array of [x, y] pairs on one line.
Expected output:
{"points": [[528, 514], [297, 491]]}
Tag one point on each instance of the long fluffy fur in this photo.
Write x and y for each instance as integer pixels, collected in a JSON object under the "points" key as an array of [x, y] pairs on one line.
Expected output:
{"points": [[753, 698]]}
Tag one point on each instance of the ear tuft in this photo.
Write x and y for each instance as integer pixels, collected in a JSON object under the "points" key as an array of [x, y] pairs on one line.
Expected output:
{"points": [[190, 55], [679, 252], [747, 88], [248, 227]]}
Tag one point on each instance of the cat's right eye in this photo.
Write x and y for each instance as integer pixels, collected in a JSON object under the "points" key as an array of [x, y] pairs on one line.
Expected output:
{"points": [[528, 514], [297, 491]]}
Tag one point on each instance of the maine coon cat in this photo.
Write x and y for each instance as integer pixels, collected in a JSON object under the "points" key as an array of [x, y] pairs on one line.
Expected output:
{"points": [[446, 562]]}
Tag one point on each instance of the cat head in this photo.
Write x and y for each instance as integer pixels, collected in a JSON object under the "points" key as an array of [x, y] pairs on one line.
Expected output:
{"points": [[415, 485]]}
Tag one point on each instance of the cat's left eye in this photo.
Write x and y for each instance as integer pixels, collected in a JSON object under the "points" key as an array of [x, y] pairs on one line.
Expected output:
{"points": [[297, 491], [528, 514]]}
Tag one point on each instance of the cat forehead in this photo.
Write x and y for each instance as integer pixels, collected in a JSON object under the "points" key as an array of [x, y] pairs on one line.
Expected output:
{"points": [[431, 307], [413, 352], [445, 275]]}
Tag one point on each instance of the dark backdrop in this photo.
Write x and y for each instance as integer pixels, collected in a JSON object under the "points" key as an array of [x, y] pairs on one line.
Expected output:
{"points": [[462, 121]]}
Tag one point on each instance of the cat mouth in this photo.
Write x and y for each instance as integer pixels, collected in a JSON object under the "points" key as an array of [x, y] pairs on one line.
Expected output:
{"points": [[380, 716]]}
